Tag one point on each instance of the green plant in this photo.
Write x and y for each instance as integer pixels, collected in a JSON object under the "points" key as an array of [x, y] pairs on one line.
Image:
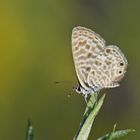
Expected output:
{"points": [[29, 132], [92, 109]]}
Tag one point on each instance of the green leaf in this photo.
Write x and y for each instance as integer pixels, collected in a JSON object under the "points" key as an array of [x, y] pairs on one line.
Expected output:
{"points": [[91, 103], [92, 109], [111, 134], [116, 134], [29, 133]]}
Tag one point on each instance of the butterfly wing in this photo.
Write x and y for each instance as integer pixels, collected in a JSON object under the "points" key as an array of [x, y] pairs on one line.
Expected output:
{"points": [[86, 46], [108, 69]]}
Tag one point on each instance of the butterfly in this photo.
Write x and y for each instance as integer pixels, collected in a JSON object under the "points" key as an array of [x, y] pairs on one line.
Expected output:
{"points": [[97, 65]]}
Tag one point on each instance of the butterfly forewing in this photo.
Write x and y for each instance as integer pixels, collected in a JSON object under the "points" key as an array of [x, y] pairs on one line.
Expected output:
{"points": [[86, 45]]}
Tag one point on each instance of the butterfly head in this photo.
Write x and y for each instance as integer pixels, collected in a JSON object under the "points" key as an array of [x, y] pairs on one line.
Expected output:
{"points": [[89, 90], [80, 89]]}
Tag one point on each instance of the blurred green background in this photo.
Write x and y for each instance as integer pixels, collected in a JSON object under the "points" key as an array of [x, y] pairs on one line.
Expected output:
{"points": [[35, 51]]}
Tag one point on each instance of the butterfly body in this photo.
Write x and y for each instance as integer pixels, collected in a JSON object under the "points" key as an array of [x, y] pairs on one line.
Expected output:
{"points": [[97, 66]]}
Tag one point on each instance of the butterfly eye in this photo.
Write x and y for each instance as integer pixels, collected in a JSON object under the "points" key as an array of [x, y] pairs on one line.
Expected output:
{"points": [[78, 88]]}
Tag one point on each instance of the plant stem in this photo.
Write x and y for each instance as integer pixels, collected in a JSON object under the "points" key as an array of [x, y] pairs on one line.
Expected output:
{"points": [[91, 111], [29, 133]]}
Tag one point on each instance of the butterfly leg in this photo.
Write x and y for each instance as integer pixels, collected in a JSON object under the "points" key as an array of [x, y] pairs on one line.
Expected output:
{"points": [[86, 97]]}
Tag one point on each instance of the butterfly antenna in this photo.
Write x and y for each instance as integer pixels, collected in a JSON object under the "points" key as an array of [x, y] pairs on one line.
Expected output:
{"points": [[66, 82]]}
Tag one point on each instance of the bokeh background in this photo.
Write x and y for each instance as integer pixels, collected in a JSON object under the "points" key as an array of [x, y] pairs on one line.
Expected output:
{"points": [[35, 51]]}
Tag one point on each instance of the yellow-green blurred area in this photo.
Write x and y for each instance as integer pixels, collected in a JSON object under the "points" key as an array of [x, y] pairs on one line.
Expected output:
{"points": [[35, 51]]}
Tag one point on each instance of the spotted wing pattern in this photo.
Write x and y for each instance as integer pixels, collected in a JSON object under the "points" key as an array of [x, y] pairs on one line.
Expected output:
{"points": [[97, 65]]}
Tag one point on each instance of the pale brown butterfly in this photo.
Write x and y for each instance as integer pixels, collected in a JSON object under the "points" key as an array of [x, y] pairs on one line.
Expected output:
{"points": [[97, 66]]}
